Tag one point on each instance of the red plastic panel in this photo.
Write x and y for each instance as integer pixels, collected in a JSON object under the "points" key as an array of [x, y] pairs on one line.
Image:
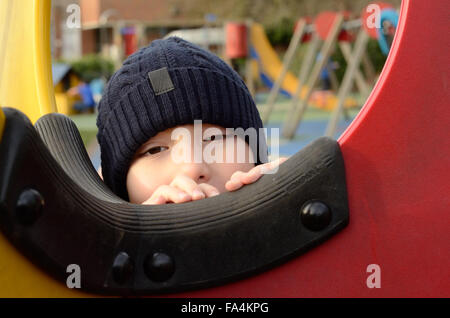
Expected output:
{"points": [[324, 23], [397, 155], [236, 40]]}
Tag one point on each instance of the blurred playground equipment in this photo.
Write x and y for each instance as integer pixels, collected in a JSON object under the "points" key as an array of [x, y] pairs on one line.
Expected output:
{"points": [[327, 30], [291, 231], [63, 79], [269, 67], [322, 35]]}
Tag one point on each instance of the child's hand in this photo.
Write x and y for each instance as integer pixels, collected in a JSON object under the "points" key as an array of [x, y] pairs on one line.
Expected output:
{"points": [[239, 178], [181, 189]]}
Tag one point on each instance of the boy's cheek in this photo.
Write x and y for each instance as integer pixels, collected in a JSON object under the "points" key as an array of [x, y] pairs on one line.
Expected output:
{"points": [[141, 183]]}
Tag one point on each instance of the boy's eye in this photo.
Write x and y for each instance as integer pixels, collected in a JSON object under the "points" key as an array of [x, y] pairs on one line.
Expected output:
{"points": [[215, 137], [155, 150]]}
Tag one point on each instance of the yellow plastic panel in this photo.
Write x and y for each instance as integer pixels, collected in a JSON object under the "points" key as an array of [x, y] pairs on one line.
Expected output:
{"points": [[26, 84], [20, 278], [25, 61]]}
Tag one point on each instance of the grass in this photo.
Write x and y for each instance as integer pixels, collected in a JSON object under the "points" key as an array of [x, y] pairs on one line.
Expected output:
{"points": [[87, 127]]}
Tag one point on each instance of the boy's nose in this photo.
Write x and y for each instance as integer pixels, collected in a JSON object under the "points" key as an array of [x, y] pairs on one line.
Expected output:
{"points": [[199, 172]]}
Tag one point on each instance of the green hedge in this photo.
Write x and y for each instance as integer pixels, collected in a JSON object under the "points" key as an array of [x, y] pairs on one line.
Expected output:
{"points": [[92, 66], [281, 33]]}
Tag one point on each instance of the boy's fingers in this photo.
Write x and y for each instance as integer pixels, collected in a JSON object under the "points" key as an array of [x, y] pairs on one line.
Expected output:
{"points": [[256, 172], [155, 200], [236, 177], [265, 168], [209, 190], [251, 176], [160, 200], [172, 194], [232, 186], [189, 186], [281, 160], [235, 181]]}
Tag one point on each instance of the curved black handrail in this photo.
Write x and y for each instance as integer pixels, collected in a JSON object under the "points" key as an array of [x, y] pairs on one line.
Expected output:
{"points": [[57, 211]]}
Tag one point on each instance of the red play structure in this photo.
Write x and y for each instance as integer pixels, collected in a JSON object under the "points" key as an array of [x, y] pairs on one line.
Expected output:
{"points": [[397, 161]]}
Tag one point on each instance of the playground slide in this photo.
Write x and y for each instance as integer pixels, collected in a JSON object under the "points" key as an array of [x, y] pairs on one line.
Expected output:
{"points": [[269, 68]]}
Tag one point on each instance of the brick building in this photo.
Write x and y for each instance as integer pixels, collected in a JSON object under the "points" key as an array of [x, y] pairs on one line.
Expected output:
{"points": [[116, 27]]}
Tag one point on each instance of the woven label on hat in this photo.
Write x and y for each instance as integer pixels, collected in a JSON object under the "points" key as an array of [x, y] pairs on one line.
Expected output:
{"points": [[161, 81]]}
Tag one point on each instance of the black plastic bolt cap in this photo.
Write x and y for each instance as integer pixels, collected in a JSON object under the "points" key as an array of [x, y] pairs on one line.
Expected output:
{"points": [[29, 206], [315, 215], [123, 268], [159, 267]]}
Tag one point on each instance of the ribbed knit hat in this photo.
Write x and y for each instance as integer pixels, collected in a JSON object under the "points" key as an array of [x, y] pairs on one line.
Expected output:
{"points": [[171, 82]]}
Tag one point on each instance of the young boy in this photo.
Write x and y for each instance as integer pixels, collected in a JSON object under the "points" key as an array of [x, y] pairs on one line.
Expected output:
{"points": [[163, 89]]}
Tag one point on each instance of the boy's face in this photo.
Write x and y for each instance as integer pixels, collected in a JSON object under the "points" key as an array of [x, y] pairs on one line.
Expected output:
{"points": [[157, 162]]}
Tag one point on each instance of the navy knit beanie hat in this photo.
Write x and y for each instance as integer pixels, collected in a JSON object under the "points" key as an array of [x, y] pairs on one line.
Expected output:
{"points": [[171, 82]]}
